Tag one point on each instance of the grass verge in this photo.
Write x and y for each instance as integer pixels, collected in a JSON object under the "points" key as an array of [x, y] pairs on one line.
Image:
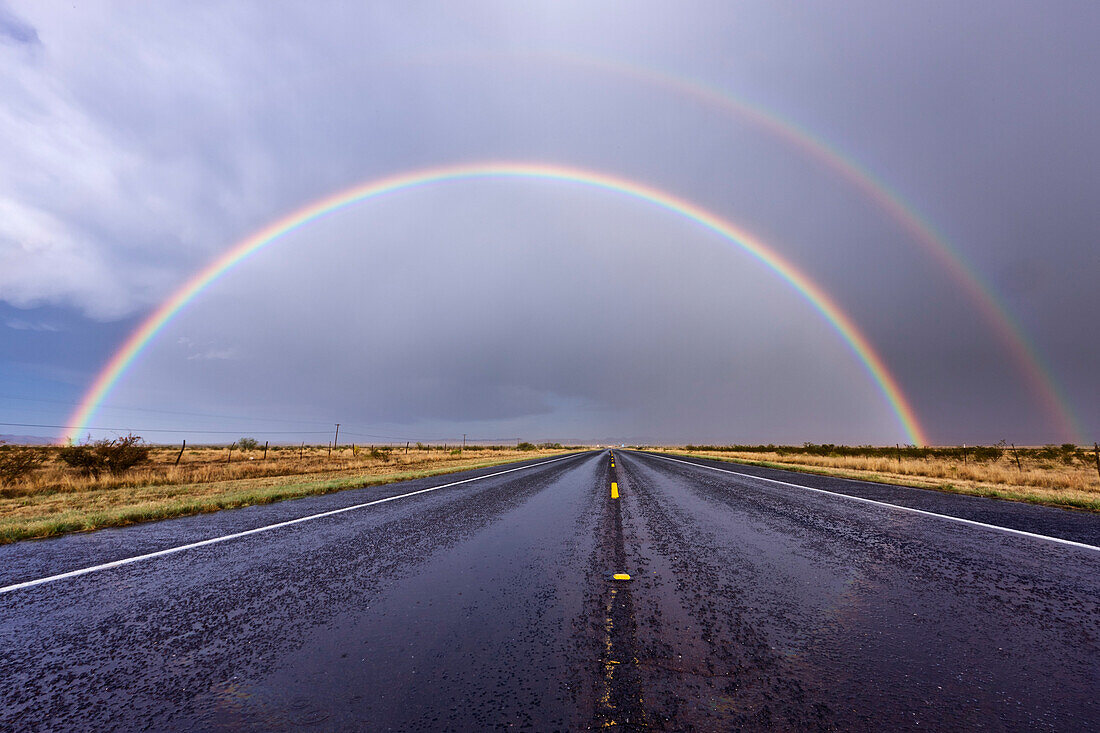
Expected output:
{"points": [[1061, 498], [39, 517]]}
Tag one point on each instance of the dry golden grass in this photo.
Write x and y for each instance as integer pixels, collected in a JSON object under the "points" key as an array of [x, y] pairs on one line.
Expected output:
{"points": [[1053, 483], [56, 499]]}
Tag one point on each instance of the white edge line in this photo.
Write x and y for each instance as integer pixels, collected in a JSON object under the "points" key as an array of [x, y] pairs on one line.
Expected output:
{"points": [[971, 522], [257, 530]]}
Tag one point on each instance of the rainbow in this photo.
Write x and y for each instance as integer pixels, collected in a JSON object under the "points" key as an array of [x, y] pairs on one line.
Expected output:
{"points": [[1027, 359], [147, 330]]}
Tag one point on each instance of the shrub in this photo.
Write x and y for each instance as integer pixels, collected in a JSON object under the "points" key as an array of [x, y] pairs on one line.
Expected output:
{"points": [[525, 446], [82, 457], [988, 453], [248, 444], [116, 456], [17, 461], [380, 453]]}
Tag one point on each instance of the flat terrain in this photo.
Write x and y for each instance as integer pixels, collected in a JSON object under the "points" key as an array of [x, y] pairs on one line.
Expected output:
{"points": [[759, 598], [56, 499], [1063, 476]]}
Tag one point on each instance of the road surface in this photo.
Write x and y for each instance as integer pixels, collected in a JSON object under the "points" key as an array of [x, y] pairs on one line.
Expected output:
{"points": [[757, 598]]}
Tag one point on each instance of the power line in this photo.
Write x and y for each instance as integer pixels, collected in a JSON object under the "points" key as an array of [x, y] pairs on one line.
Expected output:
{"points": [[433, 440], [164, 430], [262, 431], [164, 412], [233, 417]]}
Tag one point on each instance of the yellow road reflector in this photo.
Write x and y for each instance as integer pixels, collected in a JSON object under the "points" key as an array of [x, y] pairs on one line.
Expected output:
{"points": [[614, 490], [621, 576]]}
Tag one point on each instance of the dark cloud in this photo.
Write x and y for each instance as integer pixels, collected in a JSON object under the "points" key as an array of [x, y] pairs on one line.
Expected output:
{"points": [[154, 137], [14, 29]]}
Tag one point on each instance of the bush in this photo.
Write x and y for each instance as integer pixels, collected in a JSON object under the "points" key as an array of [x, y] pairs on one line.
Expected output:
{"points": [[82, 457], [525, 446], [17, 461], [380, 453], [115, 456], [248, 444]]}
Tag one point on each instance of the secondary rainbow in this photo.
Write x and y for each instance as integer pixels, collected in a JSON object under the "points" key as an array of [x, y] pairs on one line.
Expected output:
{"points": [[841, 323], [1027, 359]]}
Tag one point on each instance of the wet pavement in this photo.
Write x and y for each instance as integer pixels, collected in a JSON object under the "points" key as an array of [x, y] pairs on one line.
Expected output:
{"points": [[492, 604]]}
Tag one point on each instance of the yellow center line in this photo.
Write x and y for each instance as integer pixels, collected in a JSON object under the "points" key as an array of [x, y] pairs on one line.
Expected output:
{"points": [[614, 490]]}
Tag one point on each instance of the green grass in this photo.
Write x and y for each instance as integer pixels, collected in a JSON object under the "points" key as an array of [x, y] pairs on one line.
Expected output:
{"points": [[76, 520]]}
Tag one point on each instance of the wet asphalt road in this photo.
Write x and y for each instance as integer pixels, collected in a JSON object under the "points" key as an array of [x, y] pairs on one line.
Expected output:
{"points": [[490, 604]]}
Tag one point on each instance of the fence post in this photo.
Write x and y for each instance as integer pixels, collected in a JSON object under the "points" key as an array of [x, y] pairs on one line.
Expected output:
{"points": [[265, 449], [178, 457], [407, 447], [898, 446], [964, 454], [1096, 452], [1017, 455], [229, 455]]}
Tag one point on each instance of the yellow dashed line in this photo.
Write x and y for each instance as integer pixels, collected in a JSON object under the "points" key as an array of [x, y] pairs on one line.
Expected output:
{"points": [[621, 576], [614, 490]]}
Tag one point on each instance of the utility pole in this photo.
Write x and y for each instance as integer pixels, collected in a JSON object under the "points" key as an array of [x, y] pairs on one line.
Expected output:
{"points": [[337, 438]]}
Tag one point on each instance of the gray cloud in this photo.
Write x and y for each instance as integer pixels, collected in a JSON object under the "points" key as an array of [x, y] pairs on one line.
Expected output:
{"points": [[145, 140], [13, 29]]}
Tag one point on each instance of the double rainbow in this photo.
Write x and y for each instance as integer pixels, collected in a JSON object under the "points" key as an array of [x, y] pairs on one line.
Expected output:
{"points": [[1026, 357]]}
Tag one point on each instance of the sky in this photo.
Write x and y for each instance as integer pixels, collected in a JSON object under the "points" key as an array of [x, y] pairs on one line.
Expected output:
{"points": [[140, 142]]}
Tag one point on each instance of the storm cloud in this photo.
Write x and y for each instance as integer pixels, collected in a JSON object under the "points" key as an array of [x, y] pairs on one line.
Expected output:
{"points": [[140, 142]]}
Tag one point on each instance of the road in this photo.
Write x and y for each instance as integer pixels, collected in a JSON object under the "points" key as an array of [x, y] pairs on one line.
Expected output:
{"points": [[757, 599]]}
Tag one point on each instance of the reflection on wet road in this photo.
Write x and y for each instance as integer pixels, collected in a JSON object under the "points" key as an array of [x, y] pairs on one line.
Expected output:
{"points": [[568, 595]]}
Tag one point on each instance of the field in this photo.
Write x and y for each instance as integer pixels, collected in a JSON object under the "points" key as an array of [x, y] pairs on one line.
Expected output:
{"points": [[1064, 476], [56, 499]]}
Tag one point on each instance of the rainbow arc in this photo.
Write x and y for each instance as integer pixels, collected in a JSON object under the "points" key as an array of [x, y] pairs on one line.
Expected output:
{"points": [[124, 358], [991, 307]]}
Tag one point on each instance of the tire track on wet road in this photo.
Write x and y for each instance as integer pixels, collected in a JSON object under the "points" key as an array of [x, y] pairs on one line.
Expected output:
{"points": [[850, 615], [242, 632], [256, 530]]}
